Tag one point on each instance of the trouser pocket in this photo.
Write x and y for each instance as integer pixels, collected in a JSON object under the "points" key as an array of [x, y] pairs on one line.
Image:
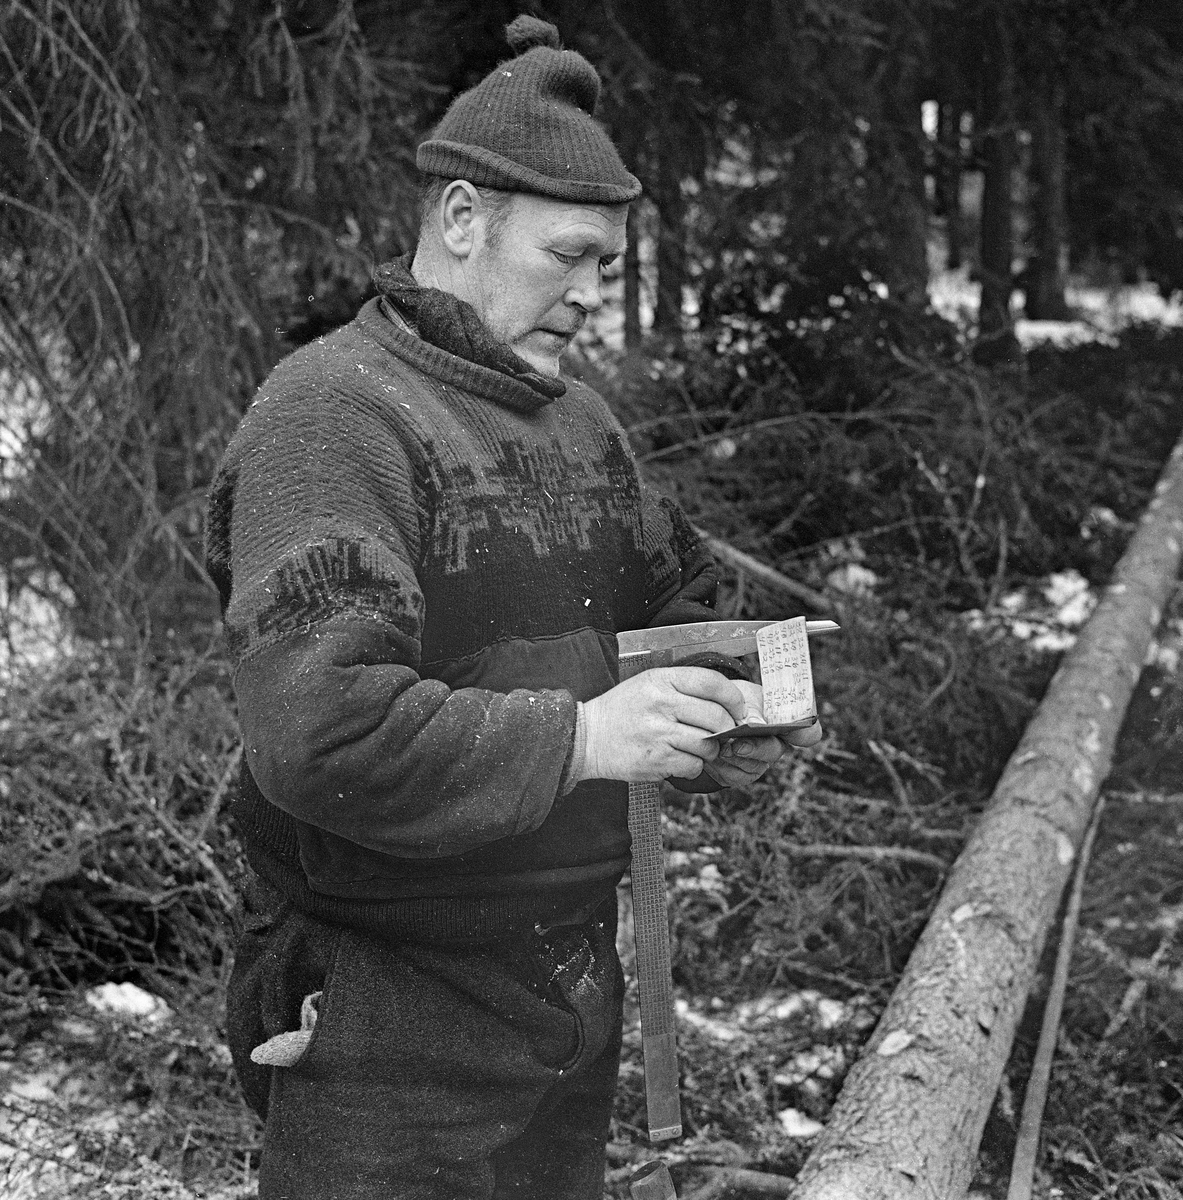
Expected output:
{"points": [[585, 971], [282, 960]]}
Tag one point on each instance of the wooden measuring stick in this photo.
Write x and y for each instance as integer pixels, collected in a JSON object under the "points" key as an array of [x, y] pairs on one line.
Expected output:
{"points": [[659, 1044]]}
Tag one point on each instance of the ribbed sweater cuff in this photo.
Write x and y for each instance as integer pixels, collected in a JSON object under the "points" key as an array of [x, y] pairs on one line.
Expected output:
{"points": [[576, 760]]}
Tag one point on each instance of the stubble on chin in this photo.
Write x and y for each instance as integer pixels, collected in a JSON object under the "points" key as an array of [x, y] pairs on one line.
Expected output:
{"points": [[544, 362], [548, 366]]}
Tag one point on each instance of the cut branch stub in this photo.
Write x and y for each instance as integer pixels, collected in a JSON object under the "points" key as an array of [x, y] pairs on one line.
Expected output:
{"points": [[909, 1119]]}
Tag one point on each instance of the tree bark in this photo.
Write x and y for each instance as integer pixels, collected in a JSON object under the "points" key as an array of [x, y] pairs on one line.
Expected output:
{"points": [[910, 1116], [900, 150], [998, 152], [951, 75], [948, 180], [632, 279], [1045, 274], [671, 234]]}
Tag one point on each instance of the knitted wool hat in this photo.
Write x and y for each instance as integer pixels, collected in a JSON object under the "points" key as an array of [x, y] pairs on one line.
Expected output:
{"points": [[528, 127]]}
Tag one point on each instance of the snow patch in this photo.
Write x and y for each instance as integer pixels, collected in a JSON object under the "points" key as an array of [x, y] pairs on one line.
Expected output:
{"points": [[127, 1000], [1046, 616], [797, 1124], [749, 1017], [853, 579], [1101, 314], [820, 1062]]}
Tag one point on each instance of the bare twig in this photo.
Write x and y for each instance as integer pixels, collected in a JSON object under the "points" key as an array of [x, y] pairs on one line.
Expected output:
{"points": [[221, 884], [714, 414], [741, 1180], [1143, 972], [866, 416], [29, 1149], [1027, 1147], [217, 796], [866, 853], [27, 884], [897, 783]]}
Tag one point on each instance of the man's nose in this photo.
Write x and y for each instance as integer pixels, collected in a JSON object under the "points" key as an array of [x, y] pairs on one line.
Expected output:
{"points": [[584, 291]]}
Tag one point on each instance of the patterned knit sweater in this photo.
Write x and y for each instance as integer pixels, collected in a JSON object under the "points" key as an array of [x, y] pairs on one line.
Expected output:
{"points": [[423, 562]]}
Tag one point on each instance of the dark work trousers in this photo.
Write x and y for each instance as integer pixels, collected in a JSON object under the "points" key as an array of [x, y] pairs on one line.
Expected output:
{"points": [[432, 1073]]}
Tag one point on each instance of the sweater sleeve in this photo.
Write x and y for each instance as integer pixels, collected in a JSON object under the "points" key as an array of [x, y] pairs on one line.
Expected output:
{"points": [[682, 584], [324, 615]]}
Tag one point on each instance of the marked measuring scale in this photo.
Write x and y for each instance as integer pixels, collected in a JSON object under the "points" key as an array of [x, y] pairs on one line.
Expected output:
{"points": [[779, 643]]}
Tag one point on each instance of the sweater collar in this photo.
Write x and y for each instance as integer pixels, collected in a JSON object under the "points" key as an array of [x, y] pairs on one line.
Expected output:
{"points": [[452, 325]]}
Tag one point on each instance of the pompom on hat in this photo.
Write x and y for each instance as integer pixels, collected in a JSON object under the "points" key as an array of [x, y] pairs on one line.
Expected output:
{"points": [[529, 126]]}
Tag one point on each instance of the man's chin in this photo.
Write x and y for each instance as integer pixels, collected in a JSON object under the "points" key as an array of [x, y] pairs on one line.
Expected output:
{"points": [[551, 367], [545, 362]]}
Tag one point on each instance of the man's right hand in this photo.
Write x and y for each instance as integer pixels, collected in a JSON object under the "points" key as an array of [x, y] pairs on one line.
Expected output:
{"points": [[654, 725]]}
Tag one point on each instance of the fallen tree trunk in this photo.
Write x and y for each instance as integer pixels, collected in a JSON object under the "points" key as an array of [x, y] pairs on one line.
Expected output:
{"points": [[909, 1119]]}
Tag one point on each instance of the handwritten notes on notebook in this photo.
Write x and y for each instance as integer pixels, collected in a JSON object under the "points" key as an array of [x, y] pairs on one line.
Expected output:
{"points": [[786, 672], [787, 678]]}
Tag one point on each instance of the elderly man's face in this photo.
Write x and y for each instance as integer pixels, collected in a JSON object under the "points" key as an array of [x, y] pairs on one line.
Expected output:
{"points": [[539, 276]]}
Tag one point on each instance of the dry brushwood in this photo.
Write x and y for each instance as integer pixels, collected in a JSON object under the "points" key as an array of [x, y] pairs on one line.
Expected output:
{"points": [[115, 858], [150, 806], [1143, 973], [27, 883], [876, 854], [164, 168]]}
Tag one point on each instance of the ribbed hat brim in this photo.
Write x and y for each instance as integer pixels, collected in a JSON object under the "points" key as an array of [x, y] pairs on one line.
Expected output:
{"points": [[487, 168]]}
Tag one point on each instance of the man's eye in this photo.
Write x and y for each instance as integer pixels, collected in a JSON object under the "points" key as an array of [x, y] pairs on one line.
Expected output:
{"points": [[608, 260], [568, 260]]}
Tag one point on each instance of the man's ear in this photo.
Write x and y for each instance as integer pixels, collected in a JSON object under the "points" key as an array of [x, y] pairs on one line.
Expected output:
{"points": [[460, 205]]}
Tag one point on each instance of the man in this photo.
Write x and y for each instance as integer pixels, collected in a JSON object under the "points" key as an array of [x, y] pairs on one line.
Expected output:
{"points": [[425, 542]]}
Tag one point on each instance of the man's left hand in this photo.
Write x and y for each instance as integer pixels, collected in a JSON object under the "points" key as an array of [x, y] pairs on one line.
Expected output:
{"points": [[744, 760]]}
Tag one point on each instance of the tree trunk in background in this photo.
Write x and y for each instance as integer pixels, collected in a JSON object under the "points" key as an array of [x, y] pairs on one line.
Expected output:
{"points": [[1045, 275], [995, 332], [901, 168], [951, 77], [948, 180], [632, 279], [671, 234]]}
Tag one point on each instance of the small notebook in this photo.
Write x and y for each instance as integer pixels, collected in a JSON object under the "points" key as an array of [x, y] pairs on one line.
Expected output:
{"points": [[787, 678]]}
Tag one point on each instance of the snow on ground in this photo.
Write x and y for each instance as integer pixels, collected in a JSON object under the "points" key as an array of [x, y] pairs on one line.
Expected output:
{"points": [[128, 1000], [1049, 614], [744, 1021], [1103, 312]]}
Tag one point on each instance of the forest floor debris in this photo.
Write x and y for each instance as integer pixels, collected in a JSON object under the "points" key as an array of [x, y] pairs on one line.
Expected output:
{"points": [[782, 966], [131, 1104]]}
